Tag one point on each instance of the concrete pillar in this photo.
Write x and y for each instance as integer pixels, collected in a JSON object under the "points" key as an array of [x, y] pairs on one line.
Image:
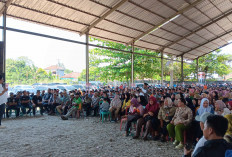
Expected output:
{"points": [[162, 67], [182, 68], [171, 72], [197, 68], [3, 47], [87, 59], [132, 64]]}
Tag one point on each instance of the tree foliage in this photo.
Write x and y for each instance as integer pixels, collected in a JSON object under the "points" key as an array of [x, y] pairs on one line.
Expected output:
{"points": [[108, 64], [23, 71]]}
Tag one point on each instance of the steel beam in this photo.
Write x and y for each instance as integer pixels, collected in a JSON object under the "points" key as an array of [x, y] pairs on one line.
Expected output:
{"points": [[223, 34], [166, 20], [202, 27], [103, 16], [7, 4]]}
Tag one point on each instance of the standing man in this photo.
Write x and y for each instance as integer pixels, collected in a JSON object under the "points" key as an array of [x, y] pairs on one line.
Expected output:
{"points": [[3, 100]]}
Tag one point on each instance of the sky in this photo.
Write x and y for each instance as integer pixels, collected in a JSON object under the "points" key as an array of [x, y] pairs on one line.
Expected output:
{"points": [[42, 51], [45, 52]]}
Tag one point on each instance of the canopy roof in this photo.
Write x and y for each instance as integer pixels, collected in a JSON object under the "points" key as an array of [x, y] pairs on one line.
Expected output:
{"points": [[191, 28]]}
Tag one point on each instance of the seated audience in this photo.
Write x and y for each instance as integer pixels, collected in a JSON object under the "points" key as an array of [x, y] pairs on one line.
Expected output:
{"points": [[12, 104], [165, 115], [95, 103], [25, 103], [181, 120], [46, 98], [150, 114], [75, 106], [221, 109], [37, 102], [104, 106], [204, 107], [53, 103], [135, 112], [87, 104], [65, 102], [126, 103], [202, 120], [115, 107], [214, 129], [228, 135]]}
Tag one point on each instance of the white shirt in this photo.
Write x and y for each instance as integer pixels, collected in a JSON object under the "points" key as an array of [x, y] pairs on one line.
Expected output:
{"points": [[199, 144], [3, 98]]}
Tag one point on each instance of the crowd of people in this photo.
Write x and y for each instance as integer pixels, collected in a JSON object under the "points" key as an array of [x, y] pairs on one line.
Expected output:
{"points": [[190, 116]]}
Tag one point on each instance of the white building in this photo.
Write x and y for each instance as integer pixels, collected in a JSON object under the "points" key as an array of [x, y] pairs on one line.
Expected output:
{"points": [[55, 70]]}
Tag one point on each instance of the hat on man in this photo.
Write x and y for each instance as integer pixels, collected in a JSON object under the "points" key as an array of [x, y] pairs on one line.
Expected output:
{"points": [[71, 94], [203, 117], [146, 84]]}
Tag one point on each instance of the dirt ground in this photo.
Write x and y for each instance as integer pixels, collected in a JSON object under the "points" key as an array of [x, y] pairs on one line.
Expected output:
{"points": [[49, 136]]}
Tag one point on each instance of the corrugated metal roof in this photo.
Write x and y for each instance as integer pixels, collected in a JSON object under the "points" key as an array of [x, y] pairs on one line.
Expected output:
{"points": [[182, 27]]}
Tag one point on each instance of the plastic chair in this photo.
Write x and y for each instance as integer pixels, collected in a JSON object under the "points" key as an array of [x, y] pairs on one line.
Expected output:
{"points": [[15, 111], [104, 114]]}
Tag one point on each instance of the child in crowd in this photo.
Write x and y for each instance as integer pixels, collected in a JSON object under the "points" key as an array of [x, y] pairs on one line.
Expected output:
{"points": [[104, 106]]}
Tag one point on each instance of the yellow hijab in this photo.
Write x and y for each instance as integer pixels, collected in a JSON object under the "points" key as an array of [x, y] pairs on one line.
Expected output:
{"points": [[229, 130]]}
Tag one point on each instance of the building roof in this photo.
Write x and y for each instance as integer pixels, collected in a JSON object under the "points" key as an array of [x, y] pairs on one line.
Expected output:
{"points": [[54, 67], [74, 75], [191, 28]]}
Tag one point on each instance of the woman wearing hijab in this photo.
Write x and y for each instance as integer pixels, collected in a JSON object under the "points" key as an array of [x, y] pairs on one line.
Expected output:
{"points": [[228, 135], [165, 115], [221, 109], [204, 107], [115, 106], [135, 112], [150, 113]]}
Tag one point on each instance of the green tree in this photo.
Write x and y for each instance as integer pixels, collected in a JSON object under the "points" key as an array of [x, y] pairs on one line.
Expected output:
{"points": [[115, 65], [213, 63]]}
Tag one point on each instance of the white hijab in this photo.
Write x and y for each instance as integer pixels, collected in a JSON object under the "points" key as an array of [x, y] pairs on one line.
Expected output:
{"points": [[202, 109]]}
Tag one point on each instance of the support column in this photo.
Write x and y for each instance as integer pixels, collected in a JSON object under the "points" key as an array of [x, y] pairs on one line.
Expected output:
{"points": [[3, 46], [87, 60], [171, 72], [182, 68], [132, 64], [197, 68], [162, 68]]}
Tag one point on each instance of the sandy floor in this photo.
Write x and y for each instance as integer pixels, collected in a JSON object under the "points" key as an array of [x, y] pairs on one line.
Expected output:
{"points": [[50, 136]]}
